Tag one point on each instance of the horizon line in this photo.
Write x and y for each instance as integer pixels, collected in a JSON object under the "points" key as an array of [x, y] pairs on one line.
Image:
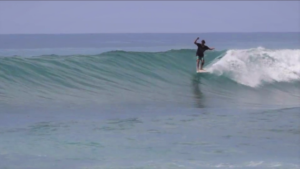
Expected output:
{"points": [[141, 33]]}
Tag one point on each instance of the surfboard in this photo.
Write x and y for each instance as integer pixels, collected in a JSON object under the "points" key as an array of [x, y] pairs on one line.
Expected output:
{"points": [[202, 71]]}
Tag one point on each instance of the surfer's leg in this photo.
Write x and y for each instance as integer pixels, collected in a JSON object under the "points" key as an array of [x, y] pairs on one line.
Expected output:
{"points": [[198, 61], [202, 63]]}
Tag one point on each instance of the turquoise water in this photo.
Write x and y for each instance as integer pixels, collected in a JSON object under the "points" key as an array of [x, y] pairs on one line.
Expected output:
{"points": [[136, 101]]}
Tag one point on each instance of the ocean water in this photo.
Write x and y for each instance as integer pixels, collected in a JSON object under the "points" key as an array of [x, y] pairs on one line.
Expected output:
{"points": [[135, 101]]}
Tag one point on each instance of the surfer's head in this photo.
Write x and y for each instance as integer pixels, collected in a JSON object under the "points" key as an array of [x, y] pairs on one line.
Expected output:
{"points": [[203, 42]]}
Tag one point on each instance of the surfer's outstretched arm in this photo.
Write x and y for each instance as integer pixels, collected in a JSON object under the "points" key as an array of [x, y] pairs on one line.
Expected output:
{"points": [[195, 42], [211, 48]]}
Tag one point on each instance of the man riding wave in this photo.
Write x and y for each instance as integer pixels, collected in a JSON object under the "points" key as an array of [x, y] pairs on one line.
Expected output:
{"points": [[200, 52]]}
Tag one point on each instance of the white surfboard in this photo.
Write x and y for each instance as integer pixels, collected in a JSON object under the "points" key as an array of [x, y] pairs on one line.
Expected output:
{"points": [[202, 71]]}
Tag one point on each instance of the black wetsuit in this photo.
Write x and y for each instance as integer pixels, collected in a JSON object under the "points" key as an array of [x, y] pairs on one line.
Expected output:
{"points": [[201, 50]]}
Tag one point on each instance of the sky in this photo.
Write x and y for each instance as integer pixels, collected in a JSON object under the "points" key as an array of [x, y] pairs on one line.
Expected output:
{"points": [[58, 17]]}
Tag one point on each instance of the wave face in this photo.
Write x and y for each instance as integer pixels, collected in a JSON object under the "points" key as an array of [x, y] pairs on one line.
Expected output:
{"points": [[163, 76]]}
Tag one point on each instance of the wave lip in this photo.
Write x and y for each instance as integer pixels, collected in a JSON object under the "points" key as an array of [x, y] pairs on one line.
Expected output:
{"points": [[257, 66]]}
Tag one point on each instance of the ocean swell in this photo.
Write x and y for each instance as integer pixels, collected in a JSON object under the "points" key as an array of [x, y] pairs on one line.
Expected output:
{"points": [[116, 74]]}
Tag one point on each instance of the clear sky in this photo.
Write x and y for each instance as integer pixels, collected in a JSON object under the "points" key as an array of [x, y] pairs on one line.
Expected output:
{"points": [[148, 16]]}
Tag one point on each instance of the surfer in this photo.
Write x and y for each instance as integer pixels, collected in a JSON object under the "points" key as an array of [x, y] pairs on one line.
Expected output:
{"points": [[200, 52]]}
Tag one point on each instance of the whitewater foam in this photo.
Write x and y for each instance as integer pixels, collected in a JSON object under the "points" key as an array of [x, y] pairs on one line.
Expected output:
{"points": [[254, 67]]}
